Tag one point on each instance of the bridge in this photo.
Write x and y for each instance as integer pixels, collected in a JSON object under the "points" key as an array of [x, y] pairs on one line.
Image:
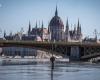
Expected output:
{"points": [[75, 50]]}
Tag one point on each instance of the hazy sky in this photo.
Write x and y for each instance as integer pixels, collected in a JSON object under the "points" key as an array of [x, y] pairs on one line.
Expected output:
{"points": [[15, 14]]}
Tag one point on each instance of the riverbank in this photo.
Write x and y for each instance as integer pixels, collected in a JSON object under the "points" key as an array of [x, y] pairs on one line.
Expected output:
{"points": [[29, 61]]}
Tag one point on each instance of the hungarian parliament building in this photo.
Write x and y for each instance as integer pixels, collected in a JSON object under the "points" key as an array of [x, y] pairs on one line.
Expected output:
{"points": [[56, 32]]}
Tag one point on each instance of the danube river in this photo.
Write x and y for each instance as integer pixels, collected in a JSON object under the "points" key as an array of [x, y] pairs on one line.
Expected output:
{"points": [[68, 71]]}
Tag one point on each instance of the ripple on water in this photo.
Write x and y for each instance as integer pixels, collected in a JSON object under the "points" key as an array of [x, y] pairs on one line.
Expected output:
{"points": [[44, 72]]}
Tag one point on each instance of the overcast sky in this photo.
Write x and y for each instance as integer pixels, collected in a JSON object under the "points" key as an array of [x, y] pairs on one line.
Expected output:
{"points": [[15, 14]]}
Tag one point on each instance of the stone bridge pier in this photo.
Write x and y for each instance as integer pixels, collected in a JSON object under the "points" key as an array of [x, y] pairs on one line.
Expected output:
{"points": [[79, 52], [73, 52]]}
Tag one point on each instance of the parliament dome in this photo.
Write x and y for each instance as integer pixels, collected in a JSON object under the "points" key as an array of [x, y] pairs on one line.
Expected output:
{"points": [[56, 21]]}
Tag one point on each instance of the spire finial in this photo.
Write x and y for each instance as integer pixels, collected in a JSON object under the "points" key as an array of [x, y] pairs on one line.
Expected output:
{"points": [[56, 12], [29, 29], [78, 22]]}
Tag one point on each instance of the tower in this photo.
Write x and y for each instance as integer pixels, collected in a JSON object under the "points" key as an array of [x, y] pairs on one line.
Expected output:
{"points": [[56, 28], [67, 26], [4, 33], [36, 29], [78, 28], [29, 29], [56, 12], [49, 33], [67, 31], [75, 33], [79, 34], [42, 26]]}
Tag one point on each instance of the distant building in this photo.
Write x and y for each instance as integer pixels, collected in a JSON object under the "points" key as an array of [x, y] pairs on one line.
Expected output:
{"points": [[73, 35], [34, 34], [26, 37], [57, 33], [8, 37], [56, 28], [17, 36], [41, 34], [89, 40]]}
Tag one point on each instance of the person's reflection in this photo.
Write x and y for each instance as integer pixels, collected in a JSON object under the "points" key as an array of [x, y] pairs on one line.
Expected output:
{"points": [[52, 69], [52, 59]]}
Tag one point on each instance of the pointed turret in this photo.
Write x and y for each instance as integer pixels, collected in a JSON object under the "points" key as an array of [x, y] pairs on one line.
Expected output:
{"points": [[75, 31], [4, 33], [48, 28], [67, 26], [42, 25], [49, 32], [95, 33], [36, 29], [29, 29], [67, 31], [36, 25], [78, 27], [42, 30], [78, 24], [56, 12], [79, 34]]}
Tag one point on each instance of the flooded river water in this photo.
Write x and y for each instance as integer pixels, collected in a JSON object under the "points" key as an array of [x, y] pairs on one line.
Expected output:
{"points": [[69, 71]]}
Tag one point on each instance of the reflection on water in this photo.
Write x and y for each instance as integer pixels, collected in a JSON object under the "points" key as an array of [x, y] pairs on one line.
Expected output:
{"points": [[52, 74], [45, 72]]}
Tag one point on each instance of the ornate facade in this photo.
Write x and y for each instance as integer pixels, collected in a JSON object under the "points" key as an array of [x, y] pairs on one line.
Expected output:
{"points": [[41, 34], [73, 35], [56, 28], [57, 33]]}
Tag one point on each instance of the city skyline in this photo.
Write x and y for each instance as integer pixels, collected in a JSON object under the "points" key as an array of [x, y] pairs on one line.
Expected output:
{"points": [[15, 14]]}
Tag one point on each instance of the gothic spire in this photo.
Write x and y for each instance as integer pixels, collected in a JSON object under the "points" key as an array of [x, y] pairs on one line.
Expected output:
{"points": [[29, 30], [74, 27], [36, 25], [78, 27], [56, 12], [67, 25], [42, 25], [78, 23], [36, 29], [48, 29], [4, 33], [42, 31]]}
